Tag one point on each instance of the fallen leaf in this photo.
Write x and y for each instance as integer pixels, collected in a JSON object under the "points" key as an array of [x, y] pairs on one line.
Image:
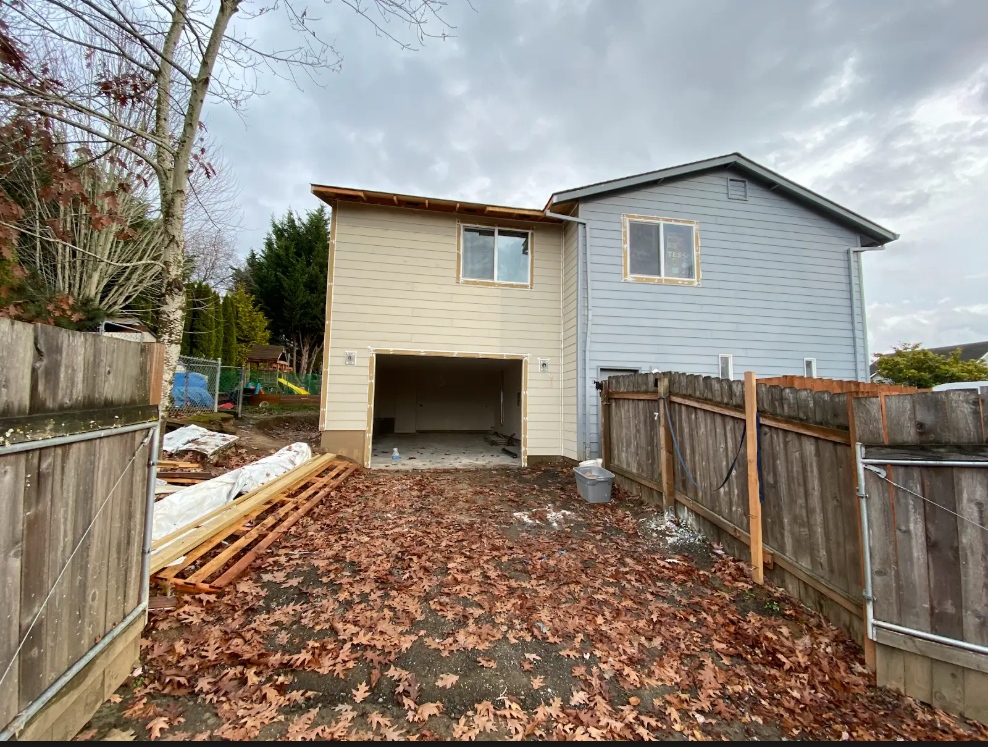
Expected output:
{"points": [[447, 680], [537, 682], [114, 698], [634, 701], [488, 663], [157, 726], [116, 735], [361, 693]]}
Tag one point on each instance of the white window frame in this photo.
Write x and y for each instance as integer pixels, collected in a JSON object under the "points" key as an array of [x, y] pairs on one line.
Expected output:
{"points": [[494, 282], [812, 362], [730, 365], [627, 220]]}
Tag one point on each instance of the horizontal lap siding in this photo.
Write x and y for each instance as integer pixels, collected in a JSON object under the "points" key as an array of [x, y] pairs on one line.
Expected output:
{"points": [[395, 286], [774, 287]]}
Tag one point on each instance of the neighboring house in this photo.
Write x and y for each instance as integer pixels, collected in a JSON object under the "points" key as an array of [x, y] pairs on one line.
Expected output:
{"points": [[972, 351], [714, 267], [268, 358]]}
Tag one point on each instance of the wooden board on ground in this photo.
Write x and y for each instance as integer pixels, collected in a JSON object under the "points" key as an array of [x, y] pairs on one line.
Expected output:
{"points": [[220, 557]]}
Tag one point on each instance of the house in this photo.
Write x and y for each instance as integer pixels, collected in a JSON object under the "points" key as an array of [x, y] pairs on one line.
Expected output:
{"points": [[450, 316], [268, 358]]}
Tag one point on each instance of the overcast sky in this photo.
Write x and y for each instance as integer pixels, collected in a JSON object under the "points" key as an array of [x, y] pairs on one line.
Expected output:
{"points": [[880, 106]]}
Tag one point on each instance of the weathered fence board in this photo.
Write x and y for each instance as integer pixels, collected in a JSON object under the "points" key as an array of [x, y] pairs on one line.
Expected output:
{"points": [[930, 566], [52, 496]]}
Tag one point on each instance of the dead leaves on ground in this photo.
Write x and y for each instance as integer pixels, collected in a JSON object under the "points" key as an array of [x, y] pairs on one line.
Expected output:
{"points": [[390, 562]]}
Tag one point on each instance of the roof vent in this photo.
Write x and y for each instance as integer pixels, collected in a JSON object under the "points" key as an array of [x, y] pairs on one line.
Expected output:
{"points": [[737, 189]]}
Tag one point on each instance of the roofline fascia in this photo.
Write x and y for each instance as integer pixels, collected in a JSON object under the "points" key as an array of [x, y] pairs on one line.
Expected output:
{"points": [[871, 229]]}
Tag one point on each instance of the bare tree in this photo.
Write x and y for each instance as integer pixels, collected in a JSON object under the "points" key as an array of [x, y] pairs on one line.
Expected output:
{"points": [[161, 59]]}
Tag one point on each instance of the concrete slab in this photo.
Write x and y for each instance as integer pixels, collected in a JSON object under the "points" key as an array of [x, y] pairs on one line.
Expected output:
{"points": [[438, 450]]}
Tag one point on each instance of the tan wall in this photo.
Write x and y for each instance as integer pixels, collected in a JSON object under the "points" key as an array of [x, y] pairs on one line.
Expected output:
{"points": [[394, 286]]}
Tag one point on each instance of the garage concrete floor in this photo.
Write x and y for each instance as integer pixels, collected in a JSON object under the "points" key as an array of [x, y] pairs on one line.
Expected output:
{"points": [[429, 450]]}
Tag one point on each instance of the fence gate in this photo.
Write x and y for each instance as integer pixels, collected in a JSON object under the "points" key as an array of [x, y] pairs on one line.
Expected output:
{"points": [[922, 460], [78, 435]]}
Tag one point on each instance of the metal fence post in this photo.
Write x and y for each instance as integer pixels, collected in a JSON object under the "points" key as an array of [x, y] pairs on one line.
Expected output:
{"points": [[216, 390], [240, 393]]}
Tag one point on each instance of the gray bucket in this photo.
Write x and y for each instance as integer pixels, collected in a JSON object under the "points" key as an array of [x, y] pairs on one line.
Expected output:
{"points": [[594, 484]]}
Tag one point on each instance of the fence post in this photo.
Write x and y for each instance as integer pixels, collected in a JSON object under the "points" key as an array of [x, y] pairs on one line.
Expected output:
{"points": [[605, 423], [870, 649], [216, 391], [240, 393], [754, 494], [666, 467]]}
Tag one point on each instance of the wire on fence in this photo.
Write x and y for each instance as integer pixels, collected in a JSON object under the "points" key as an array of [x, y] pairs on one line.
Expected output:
{"points": [[884, 475], [682, 462]]}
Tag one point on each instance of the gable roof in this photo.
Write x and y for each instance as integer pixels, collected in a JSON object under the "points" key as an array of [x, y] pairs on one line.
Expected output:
{"points": [[736, 161], [267, 353]]}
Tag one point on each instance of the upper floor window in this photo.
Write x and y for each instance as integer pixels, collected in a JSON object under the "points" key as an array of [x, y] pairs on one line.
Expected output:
{"points": [[495, 256], [809, 367], [661, 250]]}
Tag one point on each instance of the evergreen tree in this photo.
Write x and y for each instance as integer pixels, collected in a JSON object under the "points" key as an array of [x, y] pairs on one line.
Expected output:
{"points": [[229, 353], [288, 278], [251, 324], [202, 327], [216, 305]]}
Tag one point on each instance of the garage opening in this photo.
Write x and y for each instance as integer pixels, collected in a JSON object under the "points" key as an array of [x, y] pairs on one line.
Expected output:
{"points": [[446, 412]]}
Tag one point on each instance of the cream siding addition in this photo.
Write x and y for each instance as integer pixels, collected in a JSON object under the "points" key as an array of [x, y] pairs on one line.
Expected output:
{"points": [[394, 286]]}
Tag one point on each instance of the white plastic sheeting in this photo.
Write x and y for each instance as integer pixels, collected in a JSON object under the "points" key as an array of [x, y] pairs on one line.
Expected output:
{"points": [[185, 506], [195, 438]]}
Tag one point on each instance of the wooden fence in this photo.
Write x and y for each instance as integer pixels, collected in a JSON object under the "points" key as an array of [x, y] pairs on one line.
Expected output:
{"points": [[928, 543], [674, 437], [837, 386], [72, 515], [809, 510]]}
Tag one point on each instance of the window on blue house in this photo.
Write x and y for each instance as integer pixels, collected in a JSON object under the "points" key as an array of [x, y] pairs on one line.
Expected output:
{"points": [[661, 250]]}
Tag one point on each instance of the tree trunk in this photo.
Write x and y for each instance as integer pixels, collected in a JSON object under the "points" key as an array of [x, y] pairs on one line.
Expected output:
{"points": [[173, 181]]}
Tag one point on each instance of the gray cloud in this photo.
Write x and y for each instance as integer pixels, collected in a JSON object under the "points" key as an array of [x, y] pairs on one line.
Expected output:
{"points": [[882, 106]]}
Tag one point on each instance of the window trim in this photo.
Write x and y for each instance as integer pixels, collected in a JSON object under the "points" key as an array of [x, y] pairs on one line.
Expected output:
{"points": [[730, 365], [626, 221], [460, 227], [813, 361]]}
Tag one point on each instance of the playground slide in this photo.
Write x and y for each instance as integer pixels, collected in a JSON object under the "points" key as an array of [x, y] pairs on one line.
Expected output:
{"points": [[291, 386]]}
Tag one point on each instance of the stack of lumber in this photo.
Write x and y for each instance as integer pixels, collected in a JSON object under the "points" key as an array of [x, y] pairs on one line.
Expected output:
{"points": [[218, 547]]}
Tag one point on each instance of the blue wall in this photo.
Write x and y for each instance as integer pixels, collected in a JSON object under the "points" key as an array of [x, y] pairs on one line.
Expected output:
{"points": [[775, 288]]}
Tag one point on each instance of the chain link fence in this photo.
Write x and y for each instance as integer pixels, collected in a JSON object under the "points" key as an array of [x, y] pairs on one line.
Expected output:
{"points": [[196, 386], [282, 382]]}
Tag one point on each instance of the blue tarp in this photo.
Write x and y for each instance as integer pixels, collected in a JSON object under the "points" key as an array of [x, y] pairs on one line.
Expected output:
{"points": [[196, 394]]}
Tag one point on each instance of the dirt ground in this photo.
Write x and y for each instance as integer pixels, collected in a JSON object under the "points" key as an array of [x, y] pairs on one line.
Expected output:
{"points": [[495, 604]]}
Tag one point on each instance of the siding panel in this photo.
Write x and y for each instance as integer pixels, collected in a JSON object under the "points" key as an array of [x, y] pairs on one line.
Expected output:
{"points": [[775, 287], [395, 286]]}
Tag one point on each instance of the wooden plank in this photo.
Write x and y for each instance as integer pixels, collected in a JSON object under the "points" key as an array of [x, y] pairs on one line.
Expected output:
{"points": [[287, 482], [17, 473], [191, 537], [869, 425], [934, 424], [795, 497], [918, 671], [40, 426], [930, 452], [242, 564], [754, 502], [948, 686], [634, 395], [818, 546], [34, 577], [771, 421], [970, 489], [910, 522], [811, 579], [891, 669], [666, 455], [933, 650], [221, 559], [605, 426], [976, 695]]}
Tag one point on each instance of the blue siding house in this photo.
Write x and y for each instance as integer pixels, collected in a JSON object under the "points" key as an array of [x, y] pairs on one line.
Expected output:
{"points": [[714, 267]]}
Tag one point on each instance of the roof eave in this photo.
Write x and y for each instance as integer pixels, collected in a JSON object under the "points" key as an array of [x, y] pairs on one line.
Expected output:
{"points": [[874, 231]]}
